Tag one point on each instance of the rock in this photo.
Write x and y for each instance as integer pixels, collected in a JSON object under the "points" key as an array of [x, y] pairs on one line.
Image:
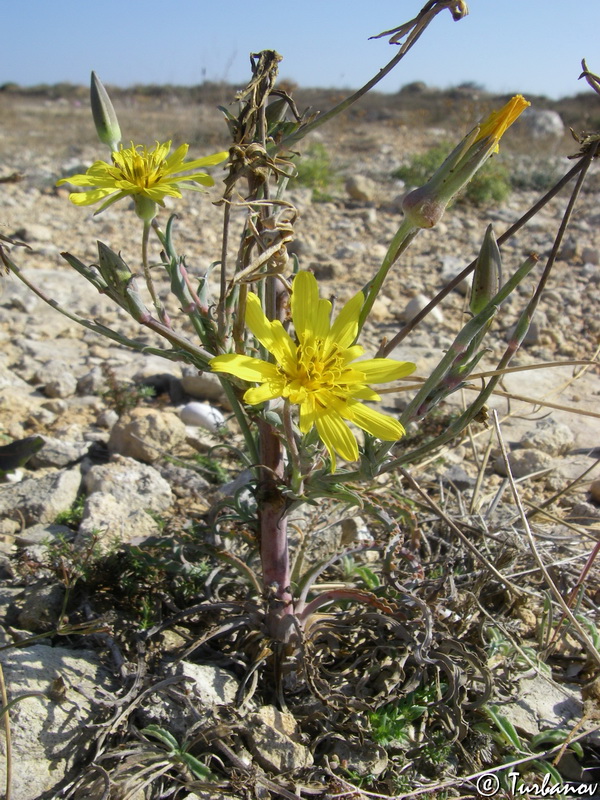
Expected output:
{"points": [[42, 607], [524, 462], [202, 415], [326, 270], [38, 534], [56, 379], [107, 418], [457, 476], [365, 759], [543, 705], [111, 522], [585, 514], [591, 255], [211, 685], [204, 386], [416, 305], [451, 267], [550, 437], [58, 453], [138, 486], [50, 733], [93, 382], [269, 736], [361, 188], [41, 499], [147, 434], [184, 482], [543, 123]]}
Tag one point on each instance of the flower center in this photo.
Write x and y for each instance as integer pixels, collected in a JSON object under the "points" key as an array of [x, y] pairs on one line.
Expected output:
{"points": [[314, 371], [142, 169]]}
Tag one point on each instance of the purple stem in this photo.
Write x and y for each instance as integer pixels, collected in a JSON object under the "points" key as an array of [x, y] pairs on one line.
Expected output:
{"points": [[272, 520]]}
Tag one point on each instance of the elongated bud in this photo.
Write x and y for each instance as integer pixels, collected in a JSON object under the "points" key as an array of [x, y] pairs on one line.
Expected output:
{"points": [[105, 118], [487, 276], [424, 207]]}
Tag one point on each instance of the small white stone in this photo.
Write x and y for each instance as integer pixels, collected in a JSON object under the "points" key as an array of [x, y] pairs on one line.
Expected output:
{"points": [[202, 415]]}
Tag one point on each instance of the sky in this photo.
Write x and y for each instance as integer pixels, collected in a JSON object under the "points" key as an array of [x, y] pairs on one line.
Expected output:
{"points": [[527, 46]]}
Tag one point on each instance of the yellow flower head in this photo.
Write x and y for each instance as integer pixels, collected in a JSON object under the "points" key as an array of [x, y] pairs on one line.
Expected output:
{"points": [[497, 123], [146, 175], [316, 371]]}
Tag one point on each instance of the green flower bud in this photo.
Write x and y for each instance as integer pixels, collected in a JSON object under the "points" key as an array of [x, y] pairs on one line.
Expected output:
{"points": [[105, 118], [424, 207], [487, 275]]}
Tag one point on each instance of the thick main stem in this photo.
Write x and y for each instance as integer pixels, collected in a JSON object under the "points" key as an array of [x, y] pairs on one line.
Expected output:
{"points": [[272, 522]]}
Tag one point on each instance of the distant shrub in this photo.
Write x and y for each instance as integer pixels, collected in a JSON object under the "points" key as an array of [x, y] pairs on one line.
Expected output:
{"points": [[315, 171], [491, 184]]}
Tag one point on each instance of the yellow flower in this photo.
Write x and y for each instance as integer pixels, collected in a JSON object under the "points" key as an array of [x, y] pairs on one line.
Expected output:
{"points": [[315, 372], [497, 123], [146, 175]]}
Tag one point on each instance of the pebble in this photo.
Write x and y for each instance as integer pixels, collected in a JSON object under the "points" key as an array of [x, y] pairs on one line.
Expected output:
{"points": [[202, 415]]}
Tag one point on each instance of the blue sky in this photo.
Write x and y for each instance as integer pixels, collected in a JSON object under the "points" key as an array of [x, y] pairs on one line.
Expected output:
{"points": [[530, 46]]}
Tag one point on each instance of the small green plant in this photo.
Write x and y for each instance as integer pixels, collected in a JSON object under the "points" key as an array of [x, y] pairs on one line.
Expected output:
{"points": [[391, 722], [490, 185], [211, 468], [122, 397], [315, 171], [71, 517]]}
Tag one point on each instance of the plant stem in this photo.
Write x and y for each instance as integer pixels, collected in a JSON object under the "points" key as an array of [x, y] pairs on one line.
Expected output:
{"points": [[272, 521]]}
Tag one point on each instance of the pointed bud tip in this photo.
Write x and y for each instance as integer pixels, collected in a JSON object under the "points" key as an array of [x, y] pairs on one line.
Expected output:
{"points": [[105, 117]]}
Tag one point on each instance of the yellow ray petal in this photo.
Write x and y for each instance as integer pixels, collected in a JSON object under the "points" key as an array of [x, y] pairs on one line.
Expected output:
{"points": [[381, 370], [337, 437], [245, 367], [345, 328], [374, 422]]}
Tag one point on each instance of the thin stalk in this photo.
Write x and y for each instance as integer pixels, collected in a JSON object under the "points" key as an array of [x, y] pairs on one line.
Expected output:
{"points": [[401, 241], [8, 739], [160, 309]]}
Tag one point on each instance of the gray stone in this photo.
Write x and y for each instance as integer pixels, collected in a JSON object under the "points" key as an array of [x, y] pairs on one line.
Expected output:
{"points": [[550, 437], [56, 379], [543, 123], [211, 685], [93, 382], [451, 267], [42, 607], [136, 485], [543, 705], [59, 453], [111, 522], [365, 759], [50, 732], [361, 188], [416, 305], [107, 418], [203, 386], [184, 482], [270, 737], [38, 534], [41, 499], [524, 462], [147, 434]]}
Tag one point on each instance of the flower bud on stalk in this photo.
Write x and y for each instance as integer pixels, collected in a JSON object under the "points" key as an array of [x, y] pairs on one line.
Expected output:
{"points": [[424, 207], [487, 276], [105, 118]]}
